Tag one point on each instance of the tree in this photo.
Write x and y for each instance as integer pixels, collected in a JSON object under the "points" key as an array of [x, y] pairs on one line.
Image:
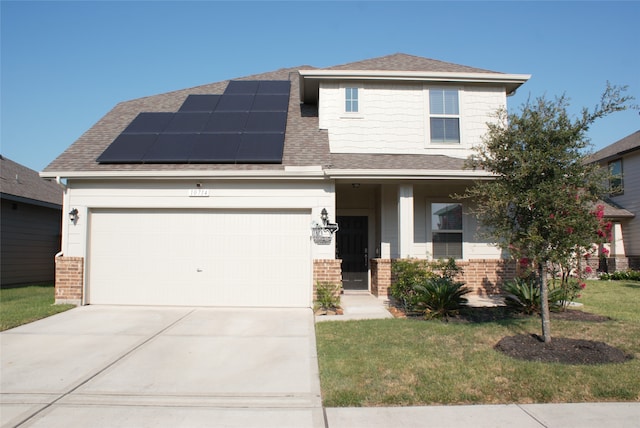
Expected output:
{"points": [[540, 205]]}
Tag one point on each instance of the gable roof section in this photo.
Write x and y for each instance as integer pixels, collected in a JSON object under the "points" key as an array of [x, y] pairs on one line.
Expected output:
{"points": [[621, 147], [404, 62], [19, 183], [407, 68], [306, 147]]}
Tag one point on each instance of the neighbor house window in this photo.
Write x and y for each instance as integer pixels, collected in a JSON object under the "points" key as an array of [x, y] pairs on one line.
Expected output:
{"points": [[616, 185], [444, 115], [446, 225], [351, 100]]}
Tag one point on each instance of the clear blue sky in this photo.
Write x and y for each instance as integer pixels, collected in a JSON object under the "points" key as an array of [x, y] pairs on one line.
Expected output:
{"points": [[66, 64]]}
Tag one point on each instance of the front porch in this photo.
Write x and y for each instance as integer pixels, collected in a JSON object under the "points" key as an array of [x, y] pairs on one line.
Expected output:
{"points": [[393, 219]]}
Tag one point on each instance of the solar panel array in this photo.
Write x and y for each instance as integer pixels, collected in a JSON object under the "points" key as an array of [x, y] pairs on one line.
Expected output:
{"points": [[246, 124]]}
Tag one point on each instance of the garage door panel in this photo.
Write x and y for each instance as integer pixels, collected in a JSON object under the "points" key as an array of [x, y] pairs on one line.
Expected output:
{"points": [[210, 258]]}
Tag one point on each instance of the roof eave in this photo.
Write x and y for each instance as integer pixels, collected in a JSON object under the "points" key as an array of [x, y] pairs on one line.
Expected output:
{"points": [[310, 172], [310, 79], [408, 174]]}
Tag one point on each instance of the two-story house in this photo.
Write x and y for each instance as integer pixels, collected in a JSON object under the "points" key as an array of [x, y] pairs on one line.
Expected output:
{"points": [[228, 194], [622, 159]]}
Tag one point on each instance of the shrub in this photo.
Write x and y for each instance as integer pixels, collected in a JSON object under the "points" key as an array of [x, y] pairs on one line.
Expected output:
{"points": [[428, 287], [327, 296], [440, 297], [627, 275], [523, 295], [407, 274]]}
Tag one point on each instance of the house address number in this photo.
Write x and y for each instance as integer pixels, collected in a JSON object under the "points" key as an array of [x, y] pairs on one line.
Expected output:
{"points": [[198, 193]]}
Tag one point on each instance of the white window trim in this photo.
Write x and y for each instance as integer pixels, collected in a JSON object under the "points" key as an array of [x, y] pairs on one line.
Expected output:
{"points": [[427, 119], [352, 114]]}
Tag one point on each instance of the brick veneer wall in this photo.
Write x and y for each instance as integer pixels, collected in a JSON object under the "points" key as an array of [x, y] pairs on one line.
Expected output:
{"points": [[69, 280], [482, 276], [380, 277], [327, 270]]}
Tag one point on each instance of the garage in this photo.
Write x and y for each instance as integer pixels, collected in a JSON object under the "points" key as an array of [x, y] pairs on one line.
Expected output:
{"points": [[242, 258]]}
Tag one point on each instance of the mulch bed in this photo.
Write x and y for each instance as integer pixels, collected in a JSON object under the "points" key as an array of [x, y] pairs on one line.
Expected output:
{"points": [[530, 347], [563, 350]]}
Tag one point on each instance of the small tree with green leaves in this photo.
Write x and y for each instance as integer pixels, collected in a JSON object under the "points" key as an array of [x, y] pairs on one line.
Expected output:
{"points": [[540, 205]]}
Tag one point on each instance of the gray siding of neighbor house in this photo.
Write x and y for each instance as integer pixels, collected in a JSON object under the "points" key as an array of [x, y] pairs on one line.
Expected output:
{"points": [[29, 241], [630, 200]]}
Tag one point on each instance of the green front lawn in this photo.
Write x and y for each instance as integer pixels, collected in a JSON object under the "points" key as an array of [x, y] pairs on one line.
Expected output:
{"points": [[405, 362], [20, 305]]}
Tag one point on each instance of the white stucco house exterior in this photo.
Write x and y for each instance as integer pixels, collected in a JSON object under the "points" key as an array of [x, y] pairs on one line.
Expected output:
{"points": [[379, 145]]}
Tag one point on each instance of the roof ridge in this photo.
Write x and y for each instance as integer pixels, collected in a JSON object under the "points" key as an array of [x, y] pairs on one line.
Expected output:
{"points": [[400, 61]]}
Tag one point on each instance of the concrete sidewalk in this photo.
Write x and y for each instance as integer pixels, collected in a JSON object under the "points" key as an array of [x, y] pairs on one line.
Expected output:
{"points": [[578, 415]]}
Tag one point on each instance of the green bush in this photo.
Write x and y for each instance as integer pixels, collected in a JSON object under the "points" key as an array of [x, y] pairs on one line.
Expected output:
{"points": [[440, 297], [627, 275], [523, 295], [407, 274], [327, 296], [427, 287]]}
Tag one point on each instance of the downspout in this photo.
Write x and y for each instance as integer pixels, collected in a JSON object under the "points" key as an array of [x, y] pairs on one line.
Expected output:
{"points": [[65, 203]]}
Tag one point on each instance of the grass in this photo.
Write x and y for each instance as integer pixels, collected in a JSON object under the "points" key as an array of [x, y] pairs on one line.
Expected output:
{"points": [[24, 304], [405, 362]]}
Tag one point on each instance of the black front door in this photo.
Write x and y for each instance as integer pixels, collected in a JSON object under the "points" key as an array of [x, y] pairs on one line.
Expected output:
{"points": [[352, 248]]}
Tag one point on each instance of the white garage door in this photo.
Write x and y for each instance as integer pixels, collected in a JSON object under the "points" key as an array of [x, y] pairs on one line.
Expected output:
{"points": [[200, 257]]}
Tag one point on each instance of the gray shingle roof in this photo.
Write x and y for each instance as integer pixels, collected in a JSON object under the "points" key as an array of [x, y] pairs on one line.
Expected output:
{"points": [[305, 144], [620, 147], [404, 62], [18, 180]]}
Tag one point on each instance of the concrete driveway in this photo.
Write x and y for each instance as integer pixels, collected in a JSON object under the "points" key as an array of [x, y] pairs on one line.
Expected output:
{"points": [[115, 366]]}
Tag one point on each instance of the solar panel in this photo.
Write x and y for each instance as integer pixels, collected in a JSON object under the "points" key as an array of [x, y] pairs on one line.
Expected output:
{"points": [[200, 103], [226, 122], [173, 148], [215, 147], [187, 122], [260, 148], [128, 148], [274, 87], [266, 122], [242, 87], [149, 123], [235, 103], [244, 125], [273, 102]]}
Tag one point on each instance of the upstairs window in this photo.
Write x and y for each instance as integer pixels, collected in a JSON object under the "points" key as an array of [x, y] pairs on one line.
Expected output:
{"points": [[351, 100], [446, 225], [444, 116], [616, 185]]}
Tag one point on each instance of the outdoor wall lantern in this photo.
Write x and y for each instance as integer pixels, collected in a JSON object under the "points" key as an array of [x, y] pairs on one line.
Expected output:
{"points": [[73, 215], [323, 232]]}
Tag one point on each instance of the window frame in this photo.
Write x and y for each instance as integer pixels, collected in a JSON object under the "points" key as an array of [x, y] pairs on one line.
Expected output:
{"points": [[616, 181], [444, 115], [434, 231], [350, 100]]}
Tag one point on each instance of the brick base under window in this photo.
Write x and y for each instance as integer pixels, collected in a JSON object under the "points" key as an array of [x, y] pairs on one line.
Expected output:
{"points": [[482, 276], [69, 280]]}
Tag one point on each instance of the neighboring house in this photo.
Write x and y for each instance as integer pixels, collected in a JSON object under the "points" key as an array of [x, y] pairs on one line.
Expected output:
{"points": [[227, 194], [622, 159], [30, 225]]}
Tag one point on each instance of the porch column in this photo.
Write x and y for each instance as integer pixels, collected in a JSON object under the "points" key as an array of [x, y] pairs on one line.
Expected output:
{"points": [[405, 220], [617, 243]]}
